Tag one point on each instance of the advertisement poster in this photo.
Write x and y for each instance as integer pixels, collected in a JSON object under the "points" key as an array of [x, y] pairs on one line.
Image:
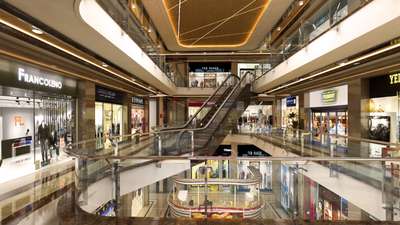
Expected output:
{"points": [[379, 128], [287, 191]]}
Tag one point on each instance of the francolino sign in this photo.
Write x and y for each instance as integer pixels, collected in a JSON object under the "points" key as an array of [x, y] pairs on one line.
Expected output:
{"points": [[21, 75], [38, 80]]}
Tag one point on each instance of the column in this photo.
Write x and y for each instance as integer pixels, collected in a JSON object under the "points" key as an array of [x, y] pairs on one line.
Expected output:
{"points": [[86, 110], [276, 112], [276, 181], [233, 164], [302, 112], [357, 90]]}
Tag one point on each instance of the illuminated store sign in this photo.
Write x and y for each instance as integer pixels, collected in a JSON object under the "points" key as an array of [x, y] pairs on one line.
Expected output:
{"points": [[291, 101], [209, 67], [394, 78], [137, 100], [329, 96], [38, 80]]}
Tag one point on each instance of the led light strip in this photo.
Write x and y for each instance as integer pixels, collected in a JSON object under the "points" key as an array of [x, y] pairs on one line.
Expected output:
{"points": [[369, 55], [4, 21], [171, 21], [28, 60]]}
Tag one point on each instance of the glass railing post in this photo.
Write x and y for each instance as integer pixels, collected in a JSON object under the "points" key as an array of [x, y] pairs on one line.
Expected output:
{"points": [[303, 136], [116, 186], [192, 141], [159, 145], [115, 175]]}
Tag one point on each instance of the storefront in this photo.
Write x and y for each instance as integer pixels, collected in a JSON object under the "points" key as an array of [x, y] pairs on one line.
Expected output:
{"points": [[194, 105], [382, 109], [329, 114], [208, 75], [265, 167], [329, 205], [109, 114], [310, 199], [287, 188], [256, 116], [290, 112], [37, 115], [138, 116]]}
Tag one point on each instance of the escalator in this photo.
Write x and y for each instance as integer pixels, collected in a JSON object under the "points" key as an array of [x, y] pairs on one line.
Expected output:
{"points": [[216, 118]]}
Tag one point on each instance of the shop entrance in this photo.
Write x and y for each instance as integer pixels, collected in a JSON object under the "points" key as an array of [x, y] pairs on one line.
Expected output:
{"points": [[332, 122], [34, 125], [329, 123]]}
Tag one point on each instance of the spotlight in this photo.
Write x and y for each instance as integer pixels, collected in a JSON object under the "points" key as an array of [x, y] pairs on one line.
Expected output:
{"points": [[36, 30]]}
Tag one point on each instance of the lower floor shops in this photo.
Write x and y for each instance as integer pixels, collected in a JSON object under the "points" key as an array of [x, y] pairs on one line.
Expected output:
{"points": [[42, 112]]}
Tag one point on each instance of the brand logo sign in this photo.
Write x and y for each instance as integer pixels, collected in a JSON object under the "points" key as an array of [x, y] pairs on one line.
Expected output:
{"points": [[394, 78], [137, 100], [291, 101], [38, 80], [329, 96]]}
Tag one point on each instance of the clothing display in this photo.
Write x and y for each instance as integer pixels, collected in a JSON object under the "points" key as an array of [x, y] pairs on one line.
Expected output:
{"points": [[43, 135]]}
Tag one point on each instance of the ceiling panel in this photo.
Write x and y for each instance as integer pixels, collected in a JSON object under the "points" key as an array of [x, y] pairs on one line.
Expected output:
{"points": [[214, 25], [211, 23]]}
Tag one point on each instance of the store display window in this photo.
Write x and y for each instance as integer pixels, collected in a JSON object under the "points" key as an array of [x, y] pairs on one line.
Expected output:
{"points": [[108, 120], [265, 168], [138, 120], [290, 112], [324, 124], [329, 205], [208, 75], [256, 118], [287, 187], [109, 115]]}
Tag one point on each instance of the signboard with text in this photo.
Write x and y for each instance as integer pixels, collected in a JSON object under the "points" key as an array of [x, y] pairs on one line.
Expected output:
{"points": [[110, 96], [329, 96], [209, 67], [20, 75]]}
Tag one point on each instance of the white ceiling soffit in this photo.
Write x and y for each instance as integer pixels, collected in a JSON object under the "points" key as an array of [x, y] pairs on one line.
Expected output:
{"points": [[351, 36], [102, 36], [160, 19]]}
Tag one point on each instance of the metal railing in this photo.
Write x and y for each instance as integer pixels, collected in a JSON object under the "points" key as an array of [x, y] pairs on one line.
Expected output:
{"points": [[329, 15]]}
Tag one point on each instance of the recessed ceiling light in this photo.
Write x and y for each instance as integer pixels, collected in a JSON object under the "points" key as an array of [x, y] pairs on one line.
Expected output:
{"points": [[36, 30], [133, 6], [301, 3], [104, 65], [149, 30], [278, 29]]}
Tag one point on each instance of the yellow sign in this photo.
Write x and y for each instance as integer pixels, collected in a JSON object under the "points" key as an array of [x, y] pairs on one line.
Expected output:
{"points": [[329, 96], [394, 78]]}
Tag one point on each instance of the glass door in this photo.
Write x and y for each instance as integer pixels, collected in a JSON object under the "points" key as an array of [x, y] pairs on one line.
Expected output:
{"points": [[332, 123]]}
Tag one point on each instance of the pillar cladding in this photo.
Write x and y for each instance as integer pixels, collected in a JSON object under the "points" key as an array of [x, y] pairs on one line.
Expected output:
{"points": [[233, 163], [277, 112], [302, 112], [86, 110], [354, 107], [127, 114], [357, 90]]}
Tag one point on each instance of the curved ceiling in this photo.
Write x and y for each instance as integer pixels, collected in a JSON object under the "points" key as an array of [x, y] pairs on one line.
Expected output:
{"points": [[206, 25]]}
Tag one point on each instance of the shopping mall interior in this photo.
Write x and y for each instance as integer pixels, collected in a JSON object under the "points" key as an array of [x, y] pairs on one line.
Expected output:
{"points": [[199, 111]]}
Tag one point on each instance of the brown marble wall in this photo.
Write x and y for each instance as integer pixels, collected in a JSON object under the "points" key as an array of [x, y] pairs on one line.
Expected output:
{"points": [[354, 107], [277, 112], [302, 112], [86, 110]]}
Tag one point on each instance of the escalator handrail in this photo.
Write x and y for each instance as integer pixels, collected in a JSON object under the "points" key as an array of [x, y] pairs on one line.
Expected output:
{"points": [[201, 108]]}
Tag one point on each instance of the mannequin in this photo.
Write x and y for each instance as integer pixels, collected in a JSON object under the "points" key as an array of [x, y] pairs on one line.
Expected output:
{"points": [[43, 135]]}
